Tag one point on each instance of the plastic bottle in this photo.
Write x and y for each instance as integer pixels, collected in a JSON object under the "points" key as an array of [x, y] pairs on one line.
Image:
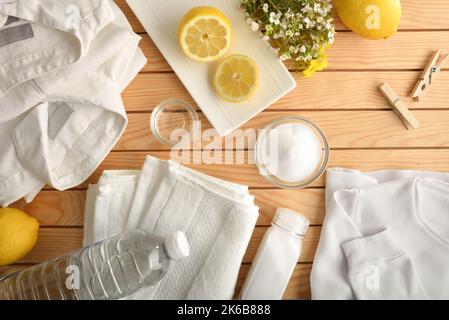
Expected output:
{"points": [[111, 269], [276, 257]]}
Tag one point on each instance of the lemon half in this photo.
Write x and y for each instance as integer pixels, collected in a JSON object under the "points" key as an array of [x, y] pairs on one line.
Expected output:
{"points": [[236, 78], [205, 34]]}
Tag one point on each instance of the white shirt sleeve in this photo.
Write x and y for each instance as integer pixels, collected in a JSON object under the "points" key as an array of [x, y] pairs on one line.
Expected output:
{"points": [[378, 269]]}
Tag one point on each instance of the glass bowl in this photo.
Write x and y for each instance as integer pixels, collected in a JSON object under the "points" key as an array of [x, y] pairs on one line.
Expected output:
{"points": [[260, 150], [173, 117]]}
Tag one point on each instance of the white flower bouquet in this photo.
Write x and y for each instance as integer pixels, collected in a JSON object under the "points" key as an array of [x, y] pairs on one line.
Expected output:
{"points": [[298, 30]]}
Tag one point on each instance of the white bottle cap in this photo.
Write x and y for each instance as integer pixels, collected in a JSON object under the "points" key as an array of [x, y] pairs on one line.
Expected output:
{"points": [[177, 246], [291, 221]]}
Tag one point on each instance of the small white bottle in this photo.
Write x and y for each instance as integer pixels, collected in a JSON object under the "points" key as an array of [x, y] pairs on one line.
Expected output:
{"points": [[276, 257]]}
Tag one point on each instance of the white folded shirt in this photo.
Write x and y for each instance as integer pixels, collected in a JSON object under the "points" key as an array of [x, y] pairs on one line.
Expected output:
{"points": [[217, 217], [385, 236], [61, 111]]}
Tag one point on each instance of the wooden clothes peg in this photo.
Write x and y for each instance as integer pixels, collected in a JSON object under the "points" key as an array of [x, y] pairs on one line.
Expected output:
{"points": [[399, 107], [425, 80]]}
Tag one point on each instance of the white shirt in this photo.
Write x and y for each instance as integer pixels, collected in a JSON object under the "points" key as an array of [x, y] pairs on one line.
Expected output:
{"points": [[386, 236], [62, 71]]}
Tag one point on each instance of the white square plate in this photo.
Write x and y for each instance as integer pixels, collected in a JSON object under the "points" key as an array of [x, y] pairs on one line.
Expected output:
{"points": [[161, 19]]}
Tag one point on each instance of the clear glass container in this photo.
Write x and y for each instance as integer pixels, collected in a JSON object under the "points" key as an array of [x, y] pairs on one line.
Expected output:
{"points": [[173, 121], [110, 269], [264, 168]]}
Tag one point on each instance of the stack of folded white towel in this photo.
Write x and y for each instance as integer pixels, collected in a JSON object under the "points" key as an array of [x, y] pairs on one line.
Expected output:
{"points": [[217, 217]]}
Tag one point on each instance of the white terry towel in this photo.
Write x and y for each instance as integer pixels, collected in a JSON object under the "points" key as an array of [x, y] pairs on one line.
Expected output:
{"points": [[217, 217], [385, 236]]}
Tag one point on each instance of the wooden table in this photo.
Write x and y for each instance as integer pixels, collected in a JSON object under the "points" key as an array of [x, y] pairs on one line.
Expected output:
{"points": [[344, 100]]}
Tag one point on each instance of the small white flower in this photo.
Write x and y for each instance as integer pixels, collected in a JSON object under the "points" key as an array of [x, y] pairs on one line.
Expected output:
{"points": [[306, 8], [265, 7], [254, 26], [275, 18], [299, 34], [284, 24], [307, 22]]}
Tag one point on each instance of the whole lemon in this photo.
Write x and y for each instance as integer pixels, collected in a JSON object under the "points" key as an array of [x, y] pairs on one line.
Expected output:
{"points": [[372, 19], [18, 235]]}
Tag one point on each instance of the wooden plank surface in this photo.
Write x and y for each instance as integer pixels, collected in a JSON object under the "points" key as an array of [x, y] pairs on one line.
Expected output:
{"points": [[404, 51], [52, 208], [344, 129], [344, 100], [349, 90], [417, 14]]}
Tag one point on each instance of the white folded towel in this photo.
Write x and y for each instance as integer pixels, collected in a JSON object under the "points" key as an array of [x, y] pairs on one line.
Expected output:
{"points": [[218, 218]]}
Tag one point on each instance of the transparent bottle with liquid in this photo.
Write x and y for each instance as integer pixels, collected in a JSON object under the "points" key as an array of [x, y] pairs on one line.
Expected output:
{"points": [[111, 269]]}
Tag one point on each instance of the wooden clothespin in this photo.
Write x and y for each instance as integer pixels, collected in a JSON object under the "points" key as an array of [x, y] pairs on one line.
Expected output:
{"points": [[399, 107], [425, 80]]}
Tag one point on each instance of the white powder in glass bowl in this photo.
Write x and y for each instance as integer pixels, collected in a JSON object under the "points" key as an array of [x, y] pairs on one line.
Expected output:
{"points": [[292, 152]]}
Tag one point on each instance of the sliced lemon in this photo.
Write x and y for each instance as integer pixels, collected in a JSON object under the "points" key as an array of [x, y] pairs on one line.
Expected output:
{"points": [[205, 34], [236, 78]]}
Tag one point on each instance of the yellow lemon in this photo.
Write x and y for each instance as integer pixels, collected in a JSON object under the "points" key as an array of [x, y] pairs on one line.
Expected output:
{"points": [[236, 78], [18, 235], [205, 34], [372, 19]]}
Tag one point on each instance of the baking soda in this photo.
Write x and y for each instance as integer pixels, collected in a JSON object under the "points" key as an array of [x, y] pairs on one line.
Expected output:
{"points": [[299, 152]]}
